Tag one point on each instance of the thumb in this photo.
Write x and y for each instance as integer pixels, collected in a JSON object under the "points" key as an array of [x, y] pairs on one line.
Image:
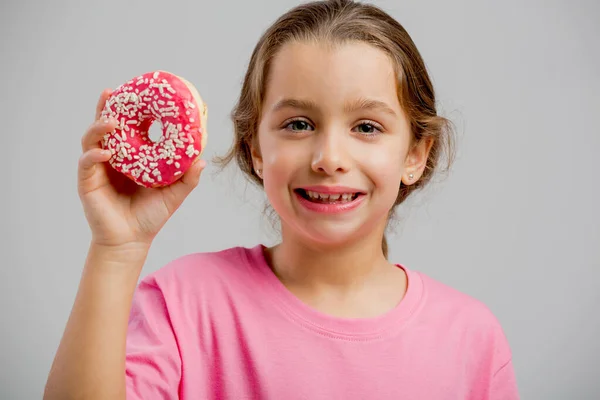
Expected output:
{"points": [[192, 176], [184, 186]]}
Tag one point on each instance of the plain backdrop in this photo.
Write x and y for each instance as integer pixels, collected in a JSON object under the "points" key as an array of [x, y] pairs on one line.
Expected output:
{"points": [[515, 223]]}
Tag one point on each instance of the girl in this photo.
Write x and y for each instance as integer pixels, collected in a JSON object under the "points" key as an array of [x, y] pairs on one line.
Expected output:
{"points": [[337, 121]]}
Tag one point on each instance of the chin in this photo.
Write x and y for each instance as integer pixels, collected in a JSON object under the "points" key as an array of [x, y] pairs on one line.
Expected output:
{"points": [[332, 233]]}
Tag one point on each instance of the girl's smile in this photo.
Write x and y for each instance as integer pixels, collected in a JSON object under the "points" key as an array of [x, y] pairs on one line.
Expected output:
{"points": [[329, 199]]}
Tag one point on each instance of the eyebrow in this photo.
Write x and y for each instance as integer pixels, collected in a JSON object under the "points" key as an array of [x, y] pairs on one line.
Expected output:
{"points": [[358, 104], [295, 103], [370, 104]]}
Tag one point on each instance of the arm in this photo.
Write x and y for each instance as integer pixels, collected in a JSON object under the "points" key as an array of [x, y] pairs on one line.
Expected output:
{"points": [[124, 219], [90, 361]]}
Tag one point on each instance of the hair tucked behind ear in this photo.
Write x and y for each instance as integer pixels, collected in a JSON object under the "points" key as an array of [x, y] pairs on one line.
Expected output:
{"points": [[338, 22]]}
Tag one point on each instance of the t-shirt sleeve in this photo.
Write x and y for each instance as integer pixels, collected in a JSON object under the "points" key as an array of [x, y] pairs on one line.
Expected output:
{"points": [[504, 384], [153, 363]]}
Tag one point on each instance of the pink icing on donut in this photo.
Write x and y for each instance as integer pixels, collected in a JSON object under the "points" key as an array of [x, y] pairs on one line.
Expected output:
{"points": [[154, 97]]}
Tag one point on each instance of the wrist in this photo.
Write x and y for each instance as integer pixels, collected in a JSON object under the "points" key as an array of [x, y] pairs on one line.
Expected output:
{"points": [[125, 256]]}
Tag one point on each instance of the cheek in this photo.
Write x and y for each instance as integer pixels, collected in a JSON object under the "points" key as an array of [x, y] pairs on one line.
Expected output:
{"points": [[278, 157], [385, 165], [282, 160]]}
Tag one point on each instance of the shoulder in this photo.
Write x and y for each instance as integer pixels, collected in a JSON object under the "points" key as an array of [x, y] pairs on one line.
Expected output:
{"points": [[448, 300], [464, 315], [199, 270]]}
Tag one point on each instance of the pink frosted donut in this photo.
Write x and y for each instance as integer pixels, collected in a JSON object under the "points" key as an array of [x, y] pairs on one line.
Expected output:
{"points": [[161, 97]]}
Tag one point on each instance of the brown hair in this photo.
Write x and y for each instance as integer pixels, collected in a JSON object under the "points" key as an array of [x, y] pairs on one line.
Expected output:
{"points": [[337, 22]]}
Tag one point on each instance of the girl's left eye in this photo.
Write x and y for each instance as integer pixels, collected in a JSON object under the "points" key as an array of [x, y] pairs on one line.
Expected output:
{"points": [[368, 128]]}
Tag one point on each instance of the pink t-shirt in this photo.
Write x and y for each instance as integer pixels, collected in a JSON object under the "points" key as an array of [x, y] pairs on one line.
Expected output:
{"points": [[221, 326]]}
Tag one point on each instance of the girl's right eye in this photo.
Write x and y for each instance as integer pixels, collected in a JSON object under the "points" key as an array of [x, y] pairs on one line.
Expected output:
{"points": [[298, 125]]}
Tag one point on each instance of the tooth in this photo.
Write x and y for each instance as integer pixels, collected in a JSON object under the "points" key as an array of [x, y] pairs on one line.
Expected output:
{"points": [[323, 196], [334, 197], [345, 196]]}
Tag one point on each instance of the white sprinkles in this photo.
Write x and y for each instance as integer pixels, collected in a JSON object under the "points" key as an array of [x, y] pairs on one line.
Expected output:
{"points": [[143, 98]]}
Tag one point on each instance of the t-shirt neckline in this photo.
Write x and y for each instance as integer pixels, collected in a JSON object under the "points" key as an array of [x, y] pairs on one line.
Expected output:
{"points": [[356, 329]]}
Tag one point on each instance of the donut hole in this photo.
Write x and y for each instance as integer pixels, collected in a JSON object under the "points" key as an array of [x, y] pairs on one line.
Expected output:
{"points": [[155, 131]]}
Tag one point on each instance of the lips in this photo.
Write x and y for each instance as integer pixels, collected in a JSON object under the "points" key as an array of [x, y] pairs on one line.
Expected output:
{"points": [[329, 199]]}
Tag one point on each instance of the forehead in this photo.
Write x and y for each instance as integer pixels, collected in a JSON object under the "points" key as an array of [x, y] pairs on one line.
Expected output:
{"points": [[331, 75]]}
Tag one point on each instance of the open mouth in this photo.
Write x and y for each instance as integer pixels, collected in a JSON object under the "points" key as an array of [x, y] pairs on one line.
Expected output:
{"points": [[331, 198]]}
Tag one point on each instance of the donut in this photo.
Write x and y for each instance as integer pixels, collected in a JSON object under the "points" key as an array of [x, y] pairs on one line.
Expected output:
{"points": [[155, 97]]}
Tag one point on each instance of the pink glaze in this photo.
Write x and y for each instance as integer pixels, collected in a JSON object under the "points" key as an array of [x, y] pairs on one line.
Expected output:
{"points": [[154, 97]]}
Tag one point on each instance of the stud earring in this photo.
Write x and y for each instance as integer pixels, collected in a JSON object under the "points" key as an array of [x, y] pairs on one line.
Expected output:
{"points": [[259, 173], [410, 176]]}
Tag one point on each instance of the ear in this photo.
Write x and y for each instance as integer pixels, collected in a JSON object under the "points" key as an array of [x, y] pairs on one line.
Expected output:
{"points": [[257, 161], [416, 160]]}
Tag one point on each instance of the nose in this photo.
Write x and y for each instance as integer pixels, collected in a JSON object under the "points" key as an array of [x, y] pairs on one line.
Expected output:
{"points": [[330, 153]]}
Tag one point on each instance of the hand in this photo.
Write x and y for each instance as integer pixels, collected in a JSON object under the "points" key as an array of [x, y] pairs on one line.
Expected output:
{"points": [[119, 211]]}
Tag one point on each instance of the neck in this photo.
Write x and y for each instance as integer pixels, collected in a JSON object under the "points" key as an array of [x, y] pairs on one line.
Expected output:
{"points": [[309, 265]]}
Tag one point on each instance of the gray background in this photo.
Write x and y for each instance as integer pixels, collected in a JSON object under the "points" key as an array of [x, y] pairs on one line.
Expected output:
{"points": [[515, 224]]}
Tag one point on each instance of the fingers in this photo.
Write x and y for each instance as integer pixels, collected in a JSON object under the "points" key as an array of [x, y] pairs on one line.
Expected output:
{"points": [[89, 160], [91, 139], [176, 193], [102, 101]]}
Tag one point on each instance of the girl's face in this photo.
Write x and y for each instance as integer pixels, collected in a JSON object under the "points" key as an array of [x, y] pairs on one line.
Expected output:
{"points": [[333, 141]]}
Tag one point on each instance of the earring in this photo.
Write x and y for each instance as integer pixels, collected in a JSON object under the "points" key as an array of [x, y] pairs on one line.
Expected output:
{"points": [[410, 176], [259, 173]]}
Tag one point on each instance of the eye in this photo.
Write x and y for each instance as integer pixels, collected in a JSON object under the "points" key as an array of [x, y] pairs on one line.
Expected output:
{"points": [[366, 128], [369, 128], [298, 125]]}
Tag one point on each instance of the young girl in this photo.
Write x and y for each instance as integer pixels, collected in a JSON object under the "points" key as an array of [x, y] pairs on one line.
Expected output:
{"points": [[337, 121]]}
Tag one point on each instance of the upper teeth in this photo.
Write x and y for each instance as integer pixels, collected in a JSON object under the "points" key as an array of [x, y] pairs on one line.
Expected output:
{"points": [[323, 196]]}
